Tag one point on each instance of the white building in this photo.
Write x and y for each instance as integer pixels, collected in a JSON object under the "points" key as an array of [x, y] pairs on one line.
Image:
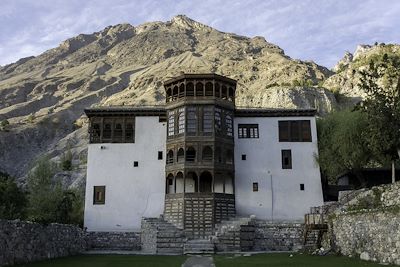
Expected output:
{"points": [[199, 160]]}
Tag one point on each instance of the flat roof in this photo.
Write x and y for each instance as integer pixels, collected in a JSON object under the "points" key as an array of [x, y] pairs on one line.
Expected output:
{"points": [[161, 111], [126, 110], [274, 112]]}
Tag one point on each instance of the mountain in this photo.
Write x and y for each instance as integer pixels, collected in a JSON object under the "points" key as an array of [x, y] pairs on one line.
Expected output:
{"points": [[346, 80], [43, 97]]}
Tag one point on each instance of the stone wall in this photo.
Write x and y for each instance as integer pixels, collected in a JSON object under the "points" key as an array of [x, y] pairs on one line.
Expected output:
{"points": [[275, 236], [113, 240], [368, 225], [371, 235], [22, 242], [259, 235]]}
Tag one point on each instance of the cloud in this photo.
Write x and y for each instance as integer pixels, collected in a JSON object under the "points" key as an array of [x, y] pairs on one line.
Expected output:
{"points": [[310, 30]]}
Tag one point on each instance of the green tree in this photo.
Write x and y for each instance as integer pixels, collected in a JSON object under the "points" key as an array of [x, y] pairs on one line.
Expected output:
{"points": [[66, 161], [342, 146], [44, 194], [48, 201], [381, 82], [13, 200]]}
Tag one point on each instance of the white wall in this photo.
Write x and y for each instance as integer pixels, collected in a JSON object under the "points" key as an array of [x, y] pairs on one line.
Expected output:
{"points": [[131, 192], [281, 200]]}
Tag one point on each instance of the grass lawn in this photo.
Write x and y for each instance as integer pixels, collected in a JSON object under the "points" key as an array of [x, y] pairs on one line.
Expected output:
{"points": [[284, 260], [111, 261], [268, 260]]}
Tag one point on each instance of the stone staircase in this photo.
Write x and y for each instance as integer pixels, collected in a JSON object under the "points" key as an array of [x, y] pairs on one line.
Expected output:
{"points": [[198, 246], [161, 237], [312, 240], [236, 234]]}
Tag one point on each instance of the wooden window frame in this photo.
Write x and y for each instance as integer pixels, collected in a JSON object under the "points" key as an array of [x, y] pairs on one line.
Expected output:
{"points": [[99, 189], [248, 131], [255, 187], [286, 153], [295, 131]]}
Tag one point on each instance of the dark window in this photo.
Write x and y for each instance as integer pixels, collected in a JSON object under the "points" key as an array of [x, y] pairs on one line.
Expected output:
{"points": [[229, 157], [217, 120], [302, 187], [99, 195], [190, 154], [255, 187], [207, 120], [135, 164], [112, 130], [286, 159], [248, 131], [170, 157], [295, 131], [243, 156], [228, 125], [207, 153], [159, 155], [191, 120]]}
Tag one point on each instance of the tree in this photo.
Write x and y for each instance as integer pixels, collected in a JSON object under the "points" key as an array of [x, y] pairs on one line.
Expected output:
{"points": [[342, 146], [44, 194], [13, 200], [66, 161], [381, 83], [48, 200]]}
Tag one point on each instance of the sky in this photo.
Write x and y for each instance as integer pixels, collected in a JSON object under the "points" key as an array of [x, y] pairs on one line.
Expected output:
{"points": [[318, 30]]}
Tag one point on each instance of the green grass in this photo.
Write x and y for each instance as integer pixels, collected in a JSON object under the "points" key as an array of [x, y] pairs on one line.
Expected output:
{"points": [[111, 261], [269, 260], [284, 260]]}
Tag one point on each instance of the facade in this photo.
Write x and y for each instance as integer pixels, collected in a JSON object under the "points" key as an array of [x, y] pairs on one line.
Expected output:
{"points": [[199, 160]]}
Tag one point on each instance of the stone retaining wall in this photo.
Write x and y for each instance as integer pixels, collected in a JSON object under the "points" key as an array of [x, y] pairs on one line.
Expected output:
{"points": [[113, 240], [371, 235], [259, 235], [274, 236], [22, 242]]}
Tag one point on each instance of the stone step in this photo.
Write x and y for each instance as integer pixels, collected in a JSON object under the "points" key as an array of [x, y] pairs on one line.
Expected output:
{"points": [[169, 251]]}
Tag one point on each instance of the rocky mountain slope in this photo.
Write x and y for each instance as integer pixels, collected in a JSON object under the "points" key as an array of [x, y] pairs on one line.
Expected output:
{"points": [[347, 77], [43, 97]]}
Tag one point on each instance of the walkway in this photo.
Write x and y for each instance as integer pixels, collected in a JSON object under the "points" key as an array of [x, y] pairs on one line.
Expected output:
{"points": [[199, 261]]}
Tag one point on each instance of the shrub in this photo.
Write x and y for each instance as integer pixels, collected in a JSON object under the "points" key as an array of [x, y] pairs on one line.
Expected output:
{"points": [[13, 200]]}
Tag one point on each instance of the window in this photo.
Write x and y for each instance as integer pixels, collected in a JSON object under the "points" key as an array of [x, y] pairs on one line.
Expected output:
{"points": [[99, 195], [112, 130], [248, 131], [160, 155], [243, 156], [217, 120], [286, 159], [170, 157], [207, 154], [190, 154], [302, 187], [129, 136], [228, 125], [229, 157], [207, 120], [181, 121], [191, 120], [171, 123], [295, 131], [255, 187], [135, 164]]}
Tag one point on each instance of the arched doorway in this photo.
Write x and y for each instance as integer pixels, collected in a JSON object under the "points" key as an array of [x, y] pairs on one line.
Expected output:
{"points": [[191, 185], [205, 182]]}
